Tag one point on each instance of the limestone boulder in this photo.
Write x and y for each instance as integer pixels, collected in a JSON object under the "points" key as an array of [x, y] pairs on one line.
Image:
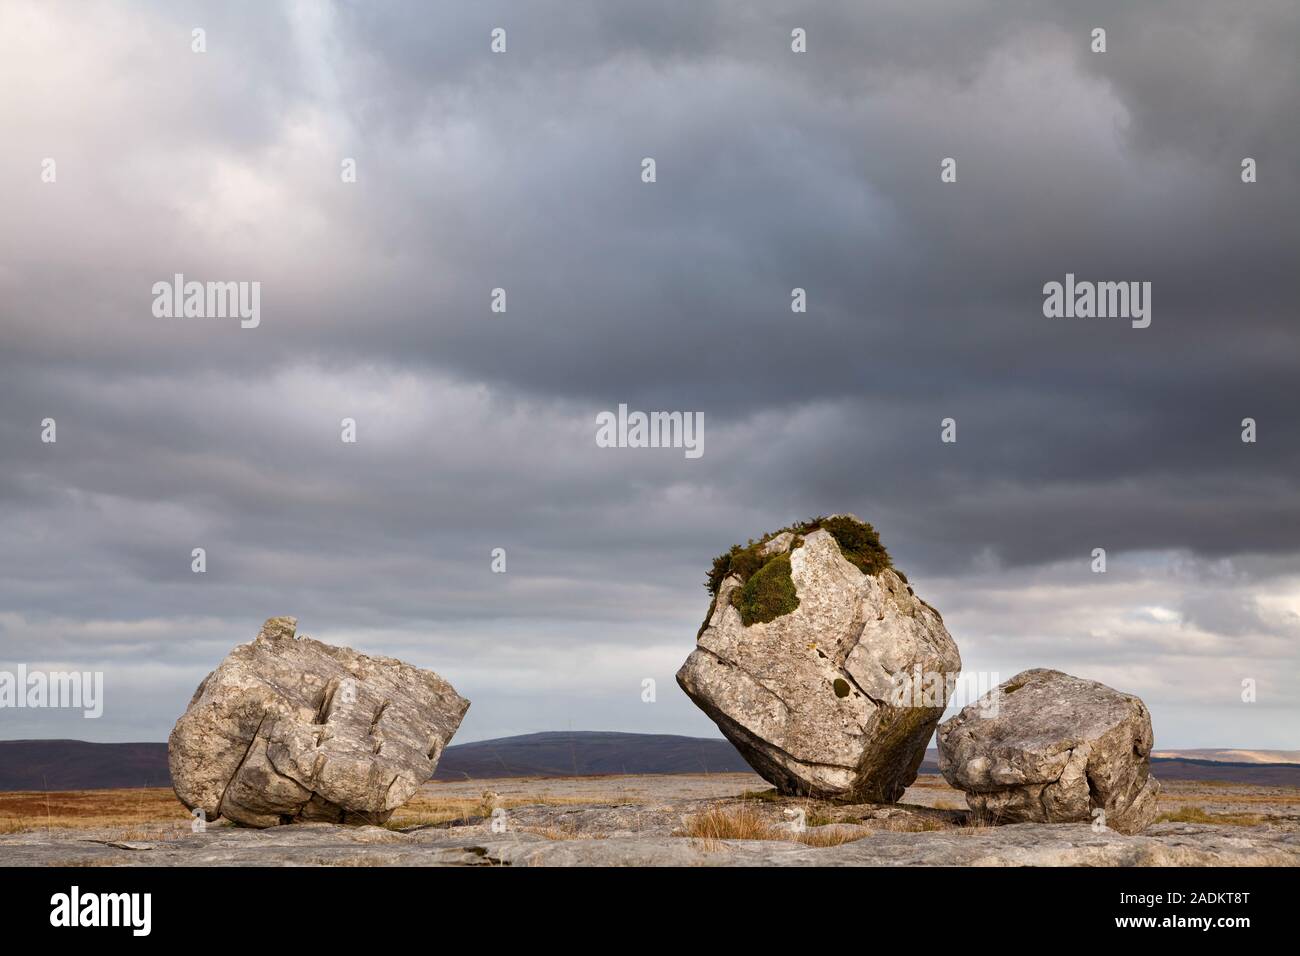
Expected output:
{"points": [[288, 729], [1046, 747], [819, 662]]}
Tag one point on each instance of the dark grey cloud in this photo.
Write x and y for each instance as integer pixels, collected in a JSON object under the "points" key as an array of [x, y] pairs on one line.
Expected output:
{"points": [[522, 171]]}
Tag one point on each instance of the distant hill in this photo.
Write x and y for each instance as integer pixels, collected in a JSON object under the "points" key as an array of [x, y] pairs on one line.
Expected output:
{"points": [[1260, 774], [587, 753], [1232, 756], [1281, 774], [79, 765]]}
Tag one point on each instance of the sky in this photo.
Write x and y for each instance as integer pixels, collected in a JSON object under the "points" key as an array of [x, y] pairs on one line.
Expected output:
{"points": [[475, 429]]}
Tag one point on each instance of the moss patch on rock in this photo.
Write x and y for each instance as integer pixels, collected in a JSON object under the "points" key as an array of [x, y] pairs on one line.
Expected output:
{"points": [[767, 594], [767, 590], [858, 541], [742, 560]]}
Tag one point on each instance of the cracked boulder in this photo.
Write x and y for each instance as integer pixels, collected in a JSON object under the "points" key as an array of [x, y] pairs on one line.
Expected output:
{"points": [[1045, 747], [820, 664], [290, 730]]}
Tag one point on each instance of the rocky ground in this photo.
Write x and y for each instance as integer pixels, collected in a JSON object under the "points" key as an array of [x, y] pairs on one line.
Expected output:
{"points": [[692, 820]]}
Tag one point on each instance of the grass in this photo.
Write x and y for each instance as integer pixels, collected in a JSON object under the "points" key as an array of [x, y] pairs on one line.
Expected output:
{"points": [[152, 813], [858, 541], [428, 810], [731, 823], [1200, 815], [23, 811], [767, 591], [1290, 799], [745, 822], [767, 796], [813, 816], [822, 838]]}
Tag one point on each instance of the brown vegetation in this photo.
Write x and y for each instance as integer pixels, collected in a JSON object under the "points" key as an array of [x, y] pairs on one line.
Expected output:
{"points": [[1199, 815], [746, 822], [30, 810], [426, 809]]}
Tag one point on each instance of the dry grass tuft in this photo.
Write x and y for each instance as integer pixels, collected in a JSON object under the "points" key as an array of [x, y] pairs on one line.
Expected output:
{"points": [[829, 836], [745, 822], [1199, 815]]}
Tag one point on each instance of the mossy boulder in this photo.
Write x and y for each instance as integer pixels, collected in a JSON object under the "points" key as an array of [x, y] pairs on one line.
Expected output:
{"points": [[810, 637]]}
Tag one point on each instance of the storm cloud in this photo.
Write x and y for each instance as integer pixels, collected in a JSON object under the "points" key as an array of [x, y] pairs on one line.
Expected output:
{"points": [[476, 430]]}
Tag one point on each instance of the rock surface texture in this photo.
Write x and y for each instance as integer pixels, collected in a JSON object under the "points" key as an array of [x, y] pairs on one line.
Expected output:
{"points": [[644, 820], [811, 697], [289, 730], [319, 844], [1050, 748]]}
